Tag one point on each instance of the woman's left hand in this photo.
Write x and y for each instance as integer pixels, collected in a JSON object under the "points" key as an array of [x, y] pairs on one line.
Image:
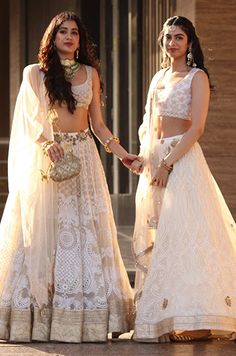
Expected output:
{"points": [[160, 178]]}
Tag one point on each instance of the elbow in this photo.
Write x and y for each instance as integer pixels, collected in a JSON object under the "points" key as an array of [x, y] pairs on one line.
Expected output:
{"points": [[198, 131]]}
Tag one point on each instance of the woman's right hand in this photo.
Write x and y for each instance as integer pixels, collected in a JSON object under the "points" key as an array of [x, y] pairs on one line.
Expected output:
{"points": [[55, 151], [137, 166]]}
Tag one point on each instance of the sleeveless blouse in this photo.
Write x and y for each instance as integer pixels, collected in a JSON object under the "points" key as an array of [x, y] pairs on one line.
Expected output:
{"points": [[175, 100], [83, 93]]}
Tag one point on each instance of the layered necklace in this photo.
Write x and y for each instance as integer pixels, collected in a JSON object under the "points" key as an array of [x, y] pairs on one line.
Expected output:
{"points": [[70, 67]]}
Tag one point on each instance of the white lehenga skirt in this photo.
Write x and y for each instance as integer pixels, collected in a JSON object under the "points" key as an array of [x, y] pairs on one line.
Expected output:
{"points": [[92, 295], [189, 281]]}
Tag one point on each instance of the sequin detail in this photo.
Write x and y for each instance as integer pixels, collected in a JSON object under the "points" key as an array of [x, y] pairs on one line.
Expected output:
{"points": [[72, 138], [228, 301], [165, 303]]}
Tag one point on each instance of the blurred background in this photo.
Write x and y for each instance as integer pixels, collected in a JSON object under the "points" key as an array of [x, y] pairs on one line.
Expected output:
{"points": [[126, 33]]}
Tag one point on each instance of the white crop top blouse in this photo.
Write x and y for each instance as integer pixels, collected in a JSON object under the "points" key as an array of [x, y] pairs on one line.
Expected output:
{"points": [[175, 100], [83, 93]]}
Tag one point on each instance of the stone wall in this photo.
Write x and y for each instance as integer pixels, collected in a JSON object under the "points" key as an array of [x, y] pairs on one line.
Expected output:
{"points": [[215, 23]]}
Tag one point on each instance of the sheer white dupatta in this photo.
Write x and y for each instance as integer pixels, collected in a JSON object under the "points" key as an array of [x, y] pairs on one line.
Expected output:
{"points": [[29, 212], [146, 208]]}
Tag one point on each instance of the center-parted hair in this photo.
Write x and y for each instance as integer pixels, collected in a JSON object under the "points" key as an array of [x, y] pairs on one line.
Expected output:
{"points": [[58, 88], [193, 40]]}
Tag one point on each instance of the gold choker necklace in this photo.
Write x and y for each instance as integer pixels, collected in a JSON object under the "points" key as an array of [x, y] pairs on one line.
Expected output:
{"points": [[70, 67]]}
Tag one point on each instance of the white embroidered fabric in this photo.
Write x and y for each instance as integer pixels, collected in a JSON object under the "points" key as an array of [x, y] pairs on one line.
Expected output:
{"points": [[83, 92], [175, 100], [89, 273], [187, 281]]}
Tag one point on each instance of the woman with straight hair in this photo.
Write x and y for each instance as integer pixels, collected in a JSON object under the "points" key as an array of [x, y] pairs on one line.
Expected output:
{"points": [[185, 236]]}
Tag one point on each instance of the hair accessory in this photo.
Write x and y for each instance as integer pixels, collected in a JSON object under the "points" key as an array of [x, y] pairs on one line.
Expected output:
{"points": [[172, 28], [70, 67]]}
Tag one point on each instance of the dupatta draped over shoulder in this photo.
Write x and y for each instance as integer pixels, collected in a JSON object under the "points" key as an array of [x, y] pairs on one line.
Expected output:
{"points": [[29, 211], [145, 222]]}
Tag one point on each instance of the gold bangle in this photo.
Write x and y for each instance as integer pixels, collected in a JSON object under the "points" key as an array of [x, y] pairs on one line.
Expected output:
{"points": [[45, 146], [165, 165], [108, 141]]}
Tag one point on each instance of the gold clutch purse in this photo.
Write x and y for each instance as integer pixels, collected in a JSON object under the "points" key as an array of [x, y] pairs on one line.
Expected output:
{"points": [[66, 168]]}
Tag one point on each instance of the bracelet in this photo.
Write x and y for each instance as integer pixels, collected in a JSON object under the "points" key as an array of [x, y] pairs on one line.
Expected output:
{"points": [[45, 146], [108, 141], [165, 165]]}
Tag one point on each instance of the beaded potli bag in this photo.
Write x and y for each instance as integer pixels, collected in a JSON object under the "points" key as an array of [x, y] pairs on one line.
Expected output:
{"points": [[66, 168]]}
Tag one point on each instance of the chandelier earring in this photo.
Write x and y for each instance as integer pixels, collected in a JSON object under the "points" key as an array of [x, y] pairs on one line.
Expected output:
{"points": [[190, 59], [77, 54]]}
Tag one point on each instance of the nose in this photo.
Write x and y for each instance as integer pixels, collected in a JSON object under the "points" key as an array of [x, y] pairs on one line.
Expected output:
{"points": [[68, 35], [171, 42]]}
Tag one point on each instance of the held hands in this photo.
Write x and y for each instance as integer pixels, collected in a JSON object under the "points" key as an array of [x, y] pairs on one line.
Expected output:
{"points": [[53, 150], [137, 166], [130, 159]]}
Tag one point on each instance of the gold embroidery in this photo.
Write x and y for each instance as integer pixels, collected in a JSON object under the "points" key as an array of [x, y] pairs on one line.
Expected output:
{"points": [[165, 303], [228, 301], [174, 142], [64, 325]]}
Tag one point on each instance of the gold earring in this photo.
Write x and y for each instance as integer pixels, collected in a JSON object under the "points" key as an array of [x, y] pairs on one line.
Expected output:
{"points": [[190, 59], [77, 54]]}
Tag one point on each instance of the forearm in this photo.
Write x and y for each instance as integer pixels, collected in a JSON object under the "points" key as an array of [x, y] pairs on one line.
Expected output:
{"points": [[41, 139], [104, 135], [187, 141]]}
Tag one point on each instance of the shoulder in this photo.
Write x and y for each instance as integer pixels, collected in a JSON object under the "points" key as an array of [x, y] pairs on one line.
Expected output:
{"points": [[156, 77], [33, 76], [200, 81], [31, 70], [94, 74], [198, 74]]}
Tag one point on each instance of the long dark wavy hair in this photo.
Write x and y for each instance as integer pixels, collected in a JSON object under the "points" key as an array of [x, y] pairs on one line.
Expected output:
{"points": [[58, 88], [193, 40]]}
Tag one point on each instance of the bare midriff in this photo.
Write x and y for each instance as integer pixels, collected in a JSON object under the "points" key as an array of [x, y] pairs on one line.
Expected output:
{"points": [[67, 122], [171, 126]]}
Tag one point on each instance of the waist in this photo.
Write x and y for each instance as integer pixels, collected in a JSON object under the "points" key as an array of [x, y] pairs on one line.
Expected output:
{"points": [[171, 126], [72, 137]]}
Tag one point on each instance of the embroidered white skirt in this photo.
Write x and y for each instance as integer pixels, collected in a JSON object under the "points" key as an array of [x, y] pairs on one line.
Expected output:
{"points": [[188, 279], [91, 295]]}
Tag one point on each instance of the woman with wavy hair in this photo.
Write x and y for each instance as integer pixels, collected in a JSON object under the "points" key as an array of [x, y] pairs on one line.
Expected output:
{"points": [[61, 273], [185, 236]]}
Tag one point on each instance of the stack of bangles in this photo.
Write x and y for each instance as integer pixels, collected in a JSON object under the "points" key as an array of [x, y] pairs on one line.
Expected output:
{"points": [[46, 145], [108, 141], [165, 165]]}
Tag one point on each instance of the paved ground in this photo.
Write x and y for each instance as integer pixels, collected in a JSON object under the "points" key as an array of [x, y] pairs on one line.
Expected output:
{"points": [[124, 346], [121, 348]]}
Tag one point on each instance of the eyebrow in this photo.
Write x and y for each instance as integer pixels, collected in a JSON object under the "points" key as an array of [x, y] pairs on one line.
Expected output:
{"points": [[67, 28], [177, 34]]}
